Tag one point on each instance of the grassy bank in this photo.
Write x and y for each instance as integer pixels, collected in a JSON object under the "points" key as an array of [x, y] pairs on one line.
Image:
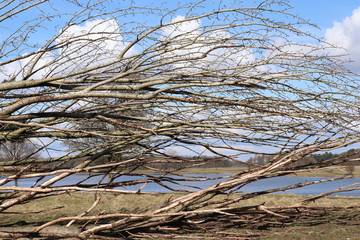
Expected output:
{"points": [[334, 171], [39, 211], [44, 209]]}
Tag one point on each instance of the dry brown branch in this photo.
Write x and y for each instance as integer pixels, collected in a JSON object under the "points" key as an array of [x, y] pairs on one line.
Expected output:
{"points": [[129, 96]]}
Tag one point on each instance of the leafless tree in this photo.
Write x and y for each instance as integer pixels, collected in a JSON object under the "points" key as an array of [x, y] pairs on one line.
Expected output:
{"points": [[17, 151], [226, 80]]}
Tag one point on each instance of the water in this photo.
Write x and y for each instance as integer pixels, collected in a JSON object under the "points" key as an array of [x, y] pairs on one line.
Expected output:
{"points": [[313, 189], [260, 185]]}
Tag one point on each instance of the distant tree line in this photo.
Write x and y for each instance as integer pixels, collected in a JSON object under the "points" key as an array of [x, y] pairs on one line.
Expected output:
{"points": [[16, 152], [162, 162], [21, 151], [262, 159]]}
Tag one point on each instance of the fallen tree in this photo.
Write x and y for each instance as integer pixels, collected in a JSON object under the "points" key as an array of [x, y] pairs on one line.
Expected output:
{"points": [[101, 93]]}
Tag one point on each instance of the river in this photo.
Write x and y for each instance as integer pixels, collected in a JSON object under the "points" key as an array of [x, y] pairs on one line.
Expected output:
{"points": [[260, 185]]}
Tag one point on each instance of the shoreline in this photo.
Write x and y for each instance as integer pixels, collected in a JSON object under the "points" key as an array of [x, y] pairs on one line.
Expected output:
{"points": [[332, 171]]}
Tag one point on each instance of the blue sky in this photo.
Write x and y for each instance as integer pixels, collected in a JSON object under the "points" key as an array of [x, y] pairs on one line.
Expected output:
{"points": [[339, 22], [324, 13]]}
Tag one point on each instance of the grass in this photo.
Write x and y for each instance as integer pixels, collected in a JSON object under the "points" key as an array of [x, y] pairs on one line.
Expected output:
{"points": [[45, 209], [328, 231], [333, 171], [36, 212]]}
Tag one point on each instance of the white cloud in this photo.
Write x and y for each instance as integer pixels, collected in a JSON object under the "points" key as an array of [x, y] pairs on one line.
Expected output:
{"points": [[181, 26], [346, 34], [17, 70], [190, 44], [238, 150], [95, 42]]}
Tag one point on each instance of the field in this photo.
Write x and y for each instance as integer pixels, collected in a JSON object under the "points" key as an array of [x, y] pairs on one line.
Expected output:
{"points": [[335, 171], [343, 224], [321, 223]]}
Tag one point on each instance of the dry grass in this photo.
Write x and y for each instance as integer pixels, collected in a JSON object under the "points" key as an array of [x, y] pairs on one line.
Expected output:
{"points": [[333, 171], [46, 209], [318, 232], [26, 216]]}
